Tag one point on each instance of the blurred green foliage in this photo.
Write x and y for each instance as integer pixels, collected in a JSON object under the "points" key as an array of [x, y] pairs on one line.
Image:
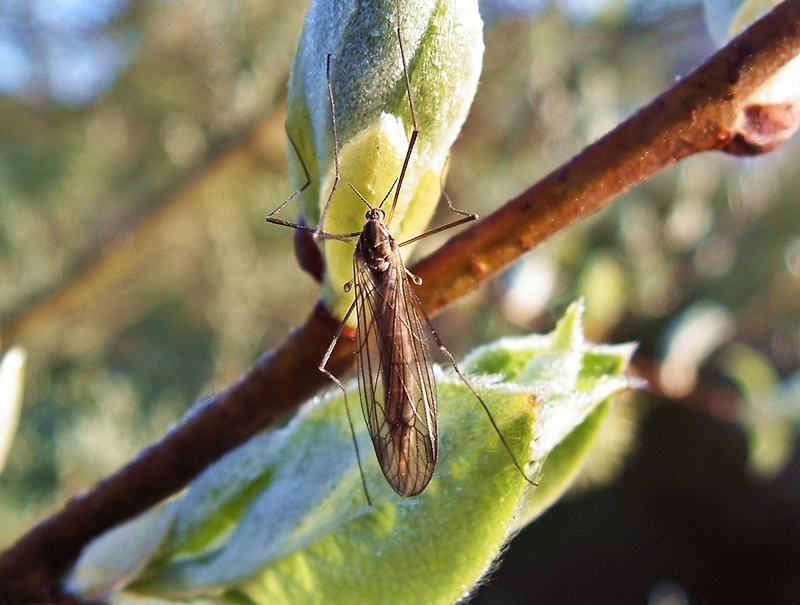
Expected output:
{"points": [[137, 269]]}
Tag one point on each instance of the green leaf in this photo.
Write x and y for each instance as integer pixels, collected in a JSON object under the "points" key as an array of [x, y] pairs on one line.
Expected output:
{"points": [[284, 519]]}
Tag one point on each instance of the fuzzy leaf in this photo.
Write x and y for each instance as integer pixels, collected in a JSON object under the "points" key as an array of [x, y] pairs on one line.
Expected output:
{"points": [[283, 519]]}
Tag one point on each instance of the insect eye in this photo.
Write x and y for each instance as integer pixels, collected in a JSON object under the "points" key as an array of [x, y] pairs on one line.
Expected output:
{"points": [[375, 214]]}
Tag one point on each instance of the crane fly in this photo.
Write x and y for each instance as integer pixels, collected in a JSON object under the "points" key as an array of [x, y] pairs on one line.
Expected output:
{"points": [[395, 376]]}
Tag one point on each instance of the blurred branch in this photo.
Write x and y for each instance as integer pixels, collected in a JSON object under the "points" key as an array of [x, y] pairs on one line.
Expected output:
{"points": [[711, 397], [133, 267], [698, 114]]}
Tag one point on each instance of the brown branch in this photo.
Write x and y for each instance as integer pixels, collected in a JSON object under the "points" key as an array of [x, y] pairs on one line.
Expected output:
{"points": [[696, 115]]}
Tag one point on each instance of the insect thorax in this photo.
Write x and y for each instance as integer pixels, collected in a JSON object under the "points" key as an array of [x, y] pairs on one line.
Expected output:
{"points": [[376, 246]]}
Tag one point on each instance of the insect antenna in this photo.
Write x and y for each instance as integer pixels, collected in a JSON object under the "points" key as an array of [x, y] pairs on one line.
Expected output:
{"points": [[363, 199]]}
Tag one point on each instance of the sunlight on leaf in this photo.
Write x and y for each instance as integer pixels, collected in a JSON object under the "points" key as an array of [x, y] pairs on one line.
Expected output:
{"points": [[284, 519]]}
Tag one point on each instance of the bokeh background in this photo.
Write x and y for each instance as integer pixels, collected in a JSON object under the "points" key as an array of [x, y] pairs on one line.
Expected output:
{"points": [[142, 145]]}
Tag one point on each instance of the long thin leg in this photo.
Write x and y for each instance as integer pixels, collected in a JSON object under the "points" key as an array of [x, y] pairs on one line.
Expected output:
{"points": [[277, 221], [318, 231], [271, 216], [338, 383], [296, 193], [463, 378], [468, 216], [467, 219], [415, 125]]}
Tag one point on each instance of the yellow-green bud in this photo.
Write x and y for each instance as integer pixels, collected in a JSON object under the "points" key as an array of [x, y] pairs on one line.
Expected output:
{"points": [[444, 48]]}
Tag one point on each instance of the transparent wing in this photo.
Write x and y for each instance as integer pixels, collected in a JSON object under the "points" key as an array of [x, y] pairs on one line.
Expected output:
{"points": [[396, 384]]}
